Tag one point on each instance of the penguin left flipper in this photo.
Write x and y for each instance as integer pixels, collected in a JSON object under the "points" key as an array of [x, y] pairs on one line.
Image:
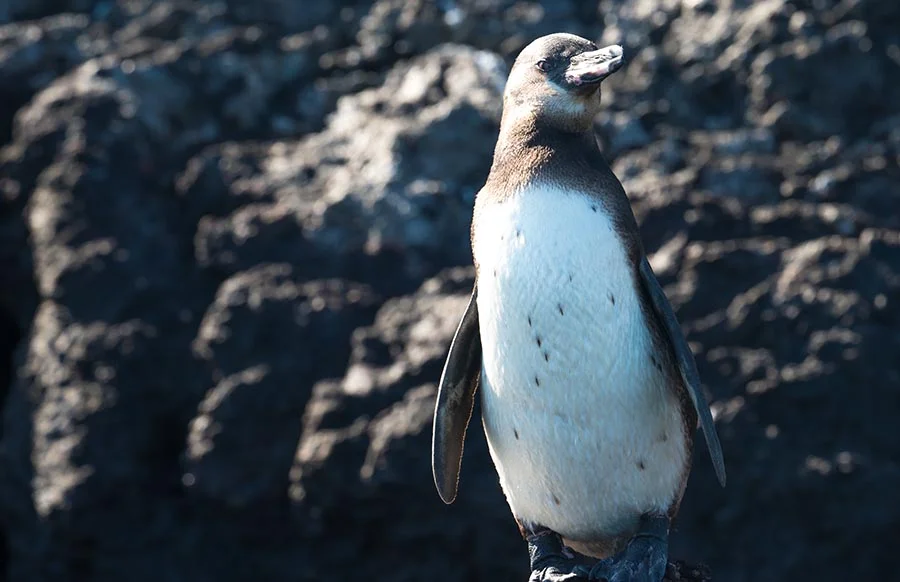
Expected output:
{"points": [[455, 400], [686, 364]]}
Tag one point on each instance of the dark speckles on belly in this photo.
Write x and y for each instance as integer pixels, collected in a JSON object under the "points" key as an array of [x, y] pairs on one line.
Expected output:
{"points": [[655, 361], [641, 465], [555, 498], [663, 438], [516, 433], [594, 207], [537, 381], [560, 307], [546, 356], [571, 276], [612, 298], [529, 321], [539, 341]]}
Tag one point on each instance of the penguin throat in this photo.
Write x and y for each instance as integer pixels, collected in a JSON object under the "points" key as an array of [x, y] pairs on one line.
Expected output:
{"points": [[571, 116]]}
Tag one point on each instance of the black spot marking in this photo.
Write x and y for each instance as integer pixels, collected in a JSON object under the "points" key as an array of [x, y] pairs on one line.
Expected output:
{"points": [[561, 312], [546, 357], [555, 498], [495, 272], [663, 437], [529, 321], [516, 432], [641, 465], [612, 298], [539, 341], [594, 207], [518, 232], [537, 381], [570, 277]]}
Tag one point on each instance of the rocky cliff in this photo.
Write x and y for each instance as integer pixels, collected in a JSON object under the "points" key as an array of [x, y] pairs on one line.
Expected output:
{"points": [[233, 250]]}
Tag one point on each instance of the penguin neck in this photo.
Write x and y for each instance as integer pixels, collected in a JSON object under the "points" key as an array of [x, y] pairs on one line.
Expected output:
{"points": [[529, 149]]}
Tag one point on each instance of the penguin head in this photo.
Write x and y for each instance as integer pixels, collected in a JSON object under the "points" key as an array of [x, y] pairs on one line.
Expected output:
{"points": [[557, 79]]}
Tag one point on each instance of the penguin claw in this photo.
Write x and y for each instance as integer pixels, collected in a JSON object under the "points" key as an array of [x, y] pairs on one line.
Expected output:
{"points": [[551, 561], [644, 560], [552, 574]]}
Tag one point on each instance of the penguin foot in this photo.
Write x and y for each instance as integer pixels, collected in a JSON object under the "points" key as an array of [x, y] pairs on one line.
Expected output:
{"points": [[643, 560], [551, 561]]}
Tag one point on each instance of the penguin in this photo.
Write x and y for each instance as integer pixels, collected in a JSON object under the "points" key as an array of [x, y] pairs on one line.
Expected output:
{"points": [[590, 395]]}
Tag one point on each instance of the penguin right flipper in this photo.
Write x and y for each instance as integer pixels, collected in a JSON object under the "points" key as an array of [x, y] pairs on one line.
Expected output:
{"points": [[455, 400], [686, 364]]}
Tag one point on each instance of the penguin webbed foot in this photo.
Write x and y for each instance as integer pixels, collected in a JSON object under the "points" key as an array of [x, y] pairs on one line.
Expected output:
{"points": [[644, 559], [550, 560]]}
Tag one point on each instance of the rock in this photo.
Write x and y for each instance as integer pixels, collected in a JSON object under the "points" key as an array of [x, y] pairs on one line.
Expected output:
{"points": [[623, 133], [796, 91], [393, 174], [733, 178], [234, 248], [266, 337], [378, 419], [680, 571], [33, 55], [11, 10]]}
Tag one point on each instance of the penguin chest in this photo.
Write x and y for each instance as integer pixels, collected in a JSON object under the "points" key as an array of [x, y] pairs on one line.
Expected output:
{"points": [[584, 431]]}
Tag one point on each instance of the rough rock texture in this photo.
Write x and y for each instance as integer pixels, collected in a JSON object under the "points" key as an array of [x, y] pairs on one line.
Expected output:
{"points": [[233, 250]]}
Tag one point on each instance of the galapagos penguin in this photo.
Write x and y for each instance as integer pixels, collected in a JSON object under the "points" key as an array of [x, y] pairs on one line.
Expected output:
{"points": [[590, 394]]}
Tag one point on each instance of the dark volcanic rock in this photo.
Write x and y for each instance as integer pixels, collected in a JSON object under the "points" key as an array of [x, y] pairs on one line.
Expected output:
{"points": [[377, 419], [380, 195], [234, 249], [797, 87], [264, 337]]}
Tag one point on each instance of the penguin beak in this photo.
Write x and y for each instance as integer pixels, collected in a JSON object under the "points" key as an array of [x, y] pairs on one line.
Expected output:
{"points": [[592, 67]]}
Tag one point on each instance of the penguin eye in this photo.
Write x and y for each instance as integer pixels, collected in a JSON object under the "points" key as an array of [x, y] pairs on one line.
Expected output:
{"points": [[542, 65]]}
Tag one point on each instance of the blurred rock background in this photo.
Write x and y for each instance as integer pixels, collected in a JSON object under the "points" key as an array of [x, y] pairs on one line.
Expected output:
{"points": [[233, 250]]}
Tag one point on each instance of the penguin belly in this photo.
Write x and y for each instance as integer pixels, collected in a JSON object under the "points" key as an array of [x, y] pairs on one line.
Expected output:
{"points": [[583, 429]]}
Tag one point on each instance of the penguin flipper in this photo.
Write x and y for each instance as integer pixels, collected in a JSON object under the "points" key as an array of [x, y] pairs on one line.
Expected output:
{"points": [[455, 400], [686, 364]]}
